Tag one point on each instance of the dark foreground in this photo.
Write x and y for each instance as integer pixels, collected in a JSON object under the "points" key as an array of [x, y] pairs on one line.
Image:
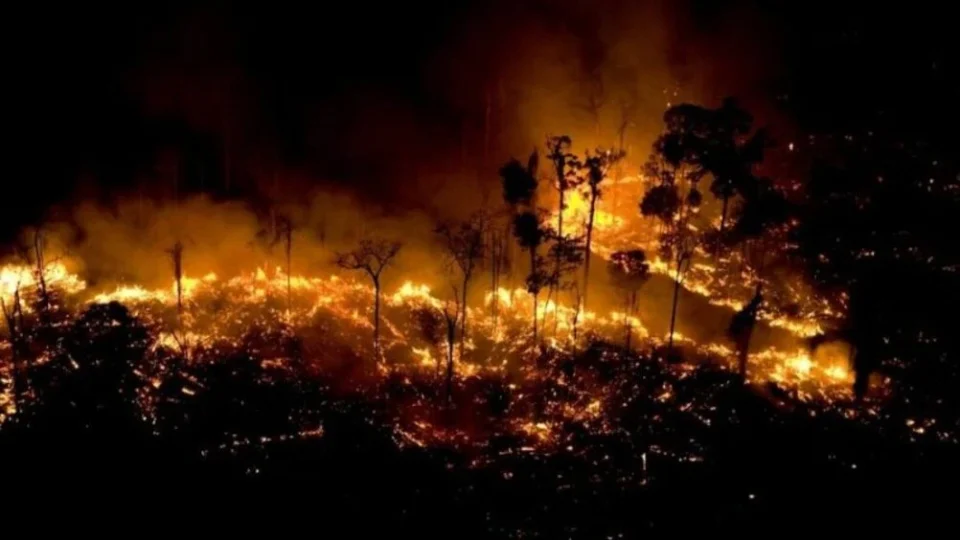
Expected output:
{"points": [[768, 472]]}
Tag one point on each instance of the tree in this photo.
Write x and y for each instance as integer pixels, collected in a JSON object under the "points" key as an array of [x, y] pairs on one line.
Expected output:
{"points": [[176, 255], [519, 181], [675, 161], [285, 231], [35, 255], [682, 253], [565, 166], [465, 247], [597, 165], [762, 224], [450, 316], [530, 234], [373, 256], [498, 262], [741, 329], [630, 271], [567, 253], [13, 315]]}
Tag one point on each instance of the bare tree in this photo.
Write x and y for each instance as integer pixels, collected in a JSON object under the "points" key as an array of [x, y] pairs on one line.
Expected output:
{"points": [[34, 254], [465, 247], [567, 253], [450, 316], [597, 165], [630, 271], [373, 256], [284, 232], [578, 310], [176, 255]]}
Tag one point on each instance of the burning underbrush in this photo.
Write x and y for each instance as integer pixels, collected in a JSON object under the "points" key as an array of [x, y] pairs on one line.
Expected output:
{"points": [[504, 385], [259, 375]]}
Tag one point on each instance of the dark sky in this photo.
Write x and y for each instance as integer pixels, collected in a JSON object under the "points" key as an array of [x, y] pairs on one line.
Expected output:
{"points": [[375, 95]]}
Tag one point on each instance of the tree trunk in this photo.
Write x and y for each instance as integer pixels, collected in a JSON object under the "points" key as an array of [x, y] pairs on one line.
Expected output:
{"points": [[586, 255], [533, 269], [463, 315], [555, 283], [723, 226], [494, 270], [673, 314], [289, 253], [451, 338], [376, 318], [534, 317]]}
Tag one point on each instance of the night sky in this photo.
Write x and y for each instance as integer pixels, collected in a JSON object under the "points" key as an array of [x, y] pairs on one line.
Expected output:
{"points": [[381, 95]]}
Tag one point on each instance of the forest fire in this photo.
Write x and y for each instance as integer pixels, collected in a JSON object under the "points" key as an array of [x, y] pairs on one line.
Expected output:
{"points": [[508, 269], [216, 310]]}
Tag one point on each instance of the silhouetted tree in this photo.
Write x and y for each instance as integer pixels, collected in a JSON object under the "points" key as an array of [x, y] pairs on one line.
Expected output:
{"points": [[676, 161], [630, 271], [597, 166], [465, 250], [372, 256], [285, 231], [567, 252], [728, 156], [762, 224], [530, 234], [34, 254], [566, 167], [176, 255], [741, 329], [519, 181], [450, 316]]}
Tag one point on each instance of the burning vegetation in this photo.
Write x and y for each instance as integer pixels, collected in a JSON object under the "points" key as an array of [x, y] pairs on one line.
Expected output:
{"points": [[524, 330], [608, 321]]}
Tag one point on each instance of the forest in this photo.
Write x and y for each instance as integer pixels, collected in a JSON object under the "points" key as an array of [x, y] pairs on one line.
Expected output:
{"points": [[506, 302]]}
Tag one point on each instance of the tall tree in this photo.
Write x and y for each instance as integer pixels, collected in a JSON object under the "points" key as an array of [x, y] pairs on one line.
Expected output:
{"points": [[464, 243], [450, 316], [597, 167], [630, 271], [520, 181], [373, 256], [567, 252], [566, 167], [176, 256], [675, 164], [530, 234], [284, 233]]}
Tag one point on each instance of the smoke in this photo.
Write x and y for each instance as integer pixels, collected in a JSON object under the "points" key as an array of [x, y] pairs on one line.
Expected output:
{"points": [[363, 127]]}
